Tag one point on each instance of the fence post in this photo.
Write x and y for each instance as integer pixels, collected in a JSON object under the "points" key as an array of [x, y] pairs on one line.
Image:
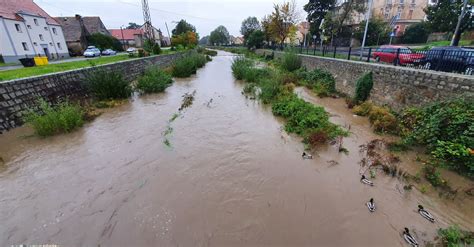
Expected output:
{"points": [[370, 52], [301, 48], [324, 51], [397, 58], [361, 53], [307, 49], [314, 50], [349, 54], [440, 60], [334, 55]]}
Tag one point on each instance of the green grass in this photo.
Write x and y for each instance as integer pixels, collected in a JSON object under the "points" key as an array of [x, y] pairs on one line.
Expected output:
{"points": [[104, 84], [58, 67], [188, 65], [6, 64], [448, 42], [64, 117]]}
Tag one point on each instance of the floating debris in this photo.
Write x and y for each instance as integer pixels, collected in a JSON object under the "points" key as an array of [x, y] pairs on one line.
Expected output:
{"points": [[187, 100]]}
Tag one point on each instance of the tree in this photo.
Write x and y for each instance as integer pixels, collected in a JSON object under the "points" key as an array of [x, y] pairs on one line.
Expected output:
{"points": [[220, 35], [187, 39], [416, 33], [317, 10], [282, 21], [266, 23], [255, 39], [133, 25], [249, 25], [183, 27], [103, 42], [204, 40], [378, 32]]}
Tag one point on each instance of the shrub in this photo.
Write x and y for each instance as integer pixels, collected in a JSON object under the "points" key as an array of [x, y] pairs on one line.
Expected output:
{"points": [[447, 129], [105, 84], [65, 117], [381, 118], [154, 80], [454, 236], [363, 109], [250, 88], [210, 52], [239, 66], [269, 90], [188, 65], [363, 87], [433, 175], [291, 61]]}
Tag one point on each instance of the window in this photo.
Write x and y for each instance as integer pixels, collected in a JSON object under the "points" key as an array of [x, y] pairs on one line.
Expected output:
{"points": [[51, 43], [18, 27], [36, 22], [41, 37], [413, 1], [410, 14], [402, 1], [54, 30], [59, 46], [28, 26], [25, 46], [45, 28], [35, 44]]}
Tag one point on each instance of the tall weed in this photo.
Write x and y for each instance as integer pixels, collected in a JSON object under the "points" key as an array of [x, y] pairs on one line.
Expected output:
{"points": [[154, 80], [105, 84]]}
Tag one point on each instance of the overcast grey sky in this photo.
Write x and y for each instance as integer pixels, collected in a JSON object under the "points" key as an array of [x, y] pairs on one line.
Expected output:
{"points": [[205, 15]]}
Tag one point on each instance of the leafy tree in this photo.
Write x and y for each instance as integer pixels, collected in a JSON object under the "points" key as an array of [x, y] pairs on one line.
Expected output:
{"points": [[187, 39], [204, 40], [378, 32], [266, 23], [151, 47], [282, 21], [255, 39], [133, 25], [183, 27], [416, 33], [103, 42], [249, 25], [317, 10], [220, 35]]}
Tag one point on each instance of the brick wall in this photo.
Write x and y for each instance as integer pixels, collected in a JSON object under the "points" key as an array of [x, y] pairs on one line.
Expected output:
{"points": [[16, 96], [397, 87]]}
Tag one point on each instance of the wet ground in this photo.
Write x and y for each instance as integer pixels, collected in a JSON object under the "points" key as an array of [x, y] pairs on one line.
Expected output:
{"points": [[229, 177]]}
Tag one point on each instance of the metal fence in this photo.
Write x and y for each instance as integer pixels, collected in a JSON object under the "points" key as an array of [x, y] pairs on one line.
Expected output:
{"points": [[447, 59]]}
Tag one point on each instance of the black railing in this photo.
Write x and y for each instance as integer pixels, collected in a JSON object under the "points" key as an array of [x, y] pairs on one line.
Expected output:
{"points": [[447, 59]]}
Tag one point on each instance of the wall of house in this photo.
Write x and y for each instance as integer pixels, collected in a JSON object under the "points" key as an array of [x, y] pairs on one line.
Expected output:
{"points": [[17, 96], [395, 86], [29, 33]]}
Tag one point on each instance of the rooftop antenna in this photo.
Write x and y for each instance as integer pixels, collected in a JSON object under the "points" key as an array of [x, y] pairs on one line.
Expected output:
{"points": [[149, 33]]}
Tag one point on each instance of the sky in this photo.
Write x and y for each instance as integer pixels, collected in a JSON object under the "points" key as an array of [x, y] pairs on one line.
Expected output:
{"points": [[205, 15]]}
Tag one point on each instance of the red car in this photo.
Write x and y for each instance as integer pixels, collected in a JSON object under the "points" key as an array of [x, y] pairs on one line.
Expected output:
{"points": [[388, 54]]}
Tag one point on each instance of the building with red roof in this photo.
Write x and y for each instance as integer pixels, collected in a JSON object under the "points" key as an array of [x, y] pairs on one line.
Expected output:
{"points": [[128, 37], [26, 30]]}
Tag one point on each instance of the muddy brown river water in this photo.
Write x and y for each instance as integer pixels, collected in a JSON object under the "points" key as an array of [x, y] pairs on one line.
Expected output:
{"points": [[230, 177]]}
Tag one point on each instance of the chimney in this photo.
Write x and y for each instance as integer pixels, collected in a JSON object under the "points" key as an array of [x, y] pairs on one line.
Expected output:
{"points": [[78, 17]]}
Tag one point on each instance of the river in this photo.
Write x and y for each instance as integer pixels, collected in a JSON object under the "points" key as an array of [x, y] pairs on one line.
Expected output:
{"points": [[230, 177]]}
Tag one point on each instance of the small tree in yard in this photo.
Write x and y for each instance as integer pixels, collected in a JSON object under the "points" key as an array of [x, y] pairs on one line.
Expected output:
{"points": [[249, 26], [220, 35], [255, 39], [416, 33]]}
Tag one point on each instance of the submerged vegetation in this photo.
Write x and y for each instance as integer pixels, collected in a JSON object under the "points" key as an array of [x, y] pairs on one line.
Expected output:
{"points": [[104, 84], [275, 86], [188, 65], [65, 117]]}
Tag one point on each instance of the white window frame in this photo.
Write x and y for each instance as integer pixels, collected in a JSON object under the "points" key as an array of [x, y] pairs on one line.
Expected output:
{"points": [[41, 37], [25, 46], [36, 21], [59, 46], [18, 28], [54, 31]]}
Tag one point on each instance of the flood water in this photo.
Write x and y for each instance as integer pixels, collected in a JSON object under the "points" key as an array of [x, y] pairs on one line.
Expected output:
{"points": [[230, 177]]}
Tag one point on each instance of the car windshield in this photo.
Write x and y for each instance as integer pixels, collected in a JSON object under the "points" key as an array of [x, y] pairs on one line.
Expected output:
{"points": [[89, 50]]}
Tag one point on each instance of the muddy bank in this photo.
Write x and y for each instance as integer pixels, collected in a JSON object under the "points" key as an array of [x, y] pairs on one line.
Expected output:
{"points": [[230, 177]]}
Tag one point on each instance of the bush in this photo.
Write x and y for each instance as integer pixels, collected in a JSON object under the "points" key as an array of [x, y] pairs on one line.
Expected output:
{"points": [[65, 117], [454, 236], [239, 67], [291, 61], [447, 129], [416, 33], [186, 66], [433, 175], [381, 118], [250, 88], [363, 87], [210, 52], [363, 109], [105, 84], [269, 90], [154, 80]]}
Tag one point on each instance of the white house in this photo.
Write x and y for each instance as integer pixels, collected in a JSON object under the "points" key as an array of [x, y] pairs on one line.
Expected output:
{"points": [[26, 30]]}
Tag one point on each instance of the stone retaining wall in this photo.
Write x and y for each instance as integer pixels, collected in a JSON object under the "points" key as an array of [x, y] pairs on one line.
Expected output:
{"points": [[16, 96], [395, 86]]}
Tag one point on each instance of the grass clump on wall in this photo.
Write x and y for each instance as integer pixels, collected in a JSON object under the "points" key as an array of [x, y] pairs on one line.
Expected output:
{"points": [[154, 80], [105, 84], [291, 61], [188, 65], [65, 117]]}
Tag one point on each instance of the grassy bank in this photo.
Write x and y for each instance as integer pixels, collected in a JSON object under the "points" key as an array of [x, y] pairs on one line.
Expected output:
{"points": [[58, 67]]}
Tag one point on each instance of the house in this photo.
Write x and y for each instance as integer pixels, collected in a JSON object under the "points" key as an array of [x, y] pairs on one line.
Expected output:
{"points": [[237, 40], [77, 28], [129, 37], [26, 30], [407, 11]]}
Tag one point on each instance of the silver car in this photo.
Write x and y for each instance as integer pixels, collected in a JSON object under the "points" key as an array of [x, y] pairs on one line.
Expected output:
{"points": [[108, 52], [92, 52]]}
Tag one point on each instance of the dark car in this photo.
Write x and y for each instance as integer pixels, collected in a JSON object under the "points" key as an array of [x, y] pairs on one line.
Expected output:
{"points": [[398, 55], [450, 59]]}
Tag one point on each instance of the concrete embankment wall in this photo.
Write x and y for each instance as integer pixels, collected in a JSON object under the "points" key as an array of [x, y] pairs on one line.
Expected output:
{"points": [[397, 87], [16, 96]]}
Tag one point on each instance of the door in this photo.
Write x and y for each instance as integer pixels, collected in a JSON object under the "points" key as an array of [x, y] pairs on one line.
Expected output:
{"points": [[46, 51]]}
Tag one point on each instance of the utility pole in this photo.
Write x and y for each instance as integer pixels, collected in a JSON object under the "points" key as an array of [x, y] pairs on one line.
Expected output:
{"points": [[167, 30], [366, 27], [123, 39], [457, 32], [149, 32]]}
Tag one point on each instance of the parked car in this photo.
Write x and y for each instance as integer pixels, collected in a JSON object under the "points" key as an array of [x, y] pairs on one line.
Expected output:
{"points": [[108, 52], [92, 51], [397, 55], [132, 50], [450, 59]]}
